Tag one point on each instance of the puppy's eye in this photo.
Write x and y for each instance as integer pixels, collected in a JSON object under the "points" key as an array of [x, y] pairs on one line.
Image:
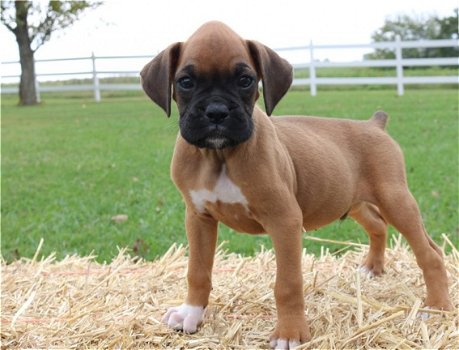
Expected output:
{"points": [[245, 81], [186, 83]]}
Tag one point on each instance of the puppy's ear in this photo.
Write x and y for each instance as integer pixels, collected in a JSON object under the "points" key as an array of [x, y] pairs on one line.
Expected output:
{"points": [[275, 72], [157, 76]]}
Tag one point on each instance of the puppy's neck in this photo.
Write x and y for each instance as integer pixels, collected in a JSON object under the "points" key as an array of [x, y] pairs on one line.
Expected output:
{"points": [[218, 154]]}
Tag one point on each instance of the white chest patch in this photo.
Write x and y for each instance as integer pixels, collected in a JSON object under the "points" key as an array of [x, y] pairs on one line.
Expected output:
{"points": [[224, 191]]}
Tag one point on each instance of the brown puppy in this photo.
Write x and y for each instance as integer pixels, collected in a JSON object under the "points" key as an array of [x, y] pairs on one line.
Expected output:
{"points": [[234, 164]]}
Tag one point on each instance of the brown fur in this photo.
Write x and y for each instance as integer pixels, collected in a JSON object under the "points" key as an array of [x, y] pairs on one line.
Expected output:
{"points": [[296, 172]]}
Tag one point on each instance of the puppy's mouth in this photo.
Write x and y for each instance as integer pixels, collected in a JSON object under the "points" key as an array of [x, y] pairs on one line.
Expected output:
{"points": [[220, 128], [215, 138], [216, 142]]}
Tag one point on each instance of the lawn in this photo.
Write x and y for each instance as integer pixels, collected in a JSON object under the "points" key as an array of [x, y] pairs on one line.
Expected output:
{"points": [[70, 165]]}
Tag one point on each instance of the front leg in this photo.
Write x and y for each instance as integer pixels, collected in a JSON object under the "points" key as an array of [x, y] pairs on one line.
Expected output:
{"points": [[202, 238], [292, 327]]}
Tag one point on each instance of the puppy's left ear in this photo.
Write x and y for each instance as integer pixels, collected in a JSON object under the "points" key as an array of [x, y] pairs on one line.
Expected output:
{"points": [[275, 72], [157, 76]]}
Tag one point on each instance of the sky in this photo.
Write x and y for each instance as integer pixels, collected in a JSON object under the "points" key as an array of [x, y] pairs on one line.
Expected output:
{"points": [[142, 27]]}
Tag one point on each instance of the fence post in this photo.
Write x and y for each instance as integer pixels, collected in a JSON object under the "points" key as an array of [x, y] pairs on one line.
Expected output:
{"points": [[399, 65], [95, 79], [37, 89], [312, 71]]}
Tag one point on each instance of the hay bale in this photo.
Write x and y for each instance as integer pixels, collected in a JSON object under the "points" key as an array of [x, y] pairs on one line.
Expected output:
{"points": [[78, 303]]}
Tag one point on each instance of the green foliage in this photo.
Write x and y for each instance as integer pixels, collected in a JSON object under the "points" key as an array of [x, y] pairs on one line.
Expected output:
{"points": [[417, 28], [69, 165]]}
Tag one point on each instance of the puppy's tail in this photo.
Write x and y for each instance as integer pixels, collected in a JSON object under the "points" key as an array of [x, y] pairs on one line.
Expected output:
{"points": [[380, 119]]}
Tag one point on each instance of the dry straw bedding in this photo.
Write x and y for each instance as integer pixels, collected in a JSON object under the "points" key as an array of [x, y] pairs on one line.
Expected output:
{"points": [[78, 303]]}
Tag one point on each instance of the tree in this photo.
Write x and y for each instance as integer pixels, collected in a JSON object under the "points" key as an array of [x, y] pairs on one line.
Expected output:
{"points": [[449, 30], [417, 28], [32, 23]]}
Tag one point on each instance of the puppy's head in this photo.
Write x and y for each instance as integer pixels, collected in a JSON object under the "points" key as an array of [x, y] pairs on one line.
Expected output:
{"points": [[214, 78]]}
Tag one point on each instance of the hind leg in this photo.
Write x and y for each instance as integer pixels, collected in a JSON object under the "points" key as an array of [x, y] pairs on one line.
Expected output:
{"points": [[399, 208], [369, 217]]}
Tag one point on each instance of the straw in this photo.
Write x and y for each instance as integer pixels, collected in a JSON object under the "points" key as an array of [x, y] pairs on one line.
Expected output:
{"points": [[79, 303]]}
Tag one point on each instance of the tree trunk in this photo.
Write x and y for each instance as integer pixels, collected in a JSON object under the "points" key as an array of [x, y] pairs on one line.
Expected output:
{"points": [[27, 85]]}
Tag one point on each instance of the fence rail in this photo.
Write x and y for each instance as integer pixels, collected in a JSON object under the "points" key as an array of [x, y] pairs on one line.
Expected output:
{"points": [[312, 64]]}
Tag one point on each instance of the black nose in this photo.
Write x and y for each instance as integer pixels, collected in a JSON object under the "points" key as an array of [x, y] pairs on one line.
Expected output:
{"points": [[217, 112]]}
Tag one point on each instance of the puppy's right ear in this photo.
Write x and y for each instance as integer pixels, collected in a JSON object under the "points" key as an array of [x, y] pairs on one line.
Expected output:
{"points": [[157, 76]]}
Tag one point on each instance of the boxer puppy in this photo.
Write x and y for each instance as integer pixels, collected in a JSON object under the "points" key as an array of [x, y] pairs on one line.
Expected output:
{"points": [[234, 164]]}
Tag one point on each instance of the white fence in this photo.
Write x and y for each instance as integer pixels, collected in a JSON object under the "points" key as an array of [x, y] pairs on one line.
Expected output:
{"points": [[312, 64]]}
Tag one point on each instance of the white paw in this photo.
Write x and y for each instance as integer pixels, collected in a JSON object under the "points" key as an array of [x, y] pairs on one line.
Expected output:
{"points": [[366, 271], [185, 317], [284, 344], [424, 315]]}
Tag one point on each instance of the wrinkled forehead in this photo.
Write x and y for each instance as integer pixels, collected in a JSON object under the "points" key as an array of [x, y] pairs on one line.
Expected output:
{"points": [[214, 49]]}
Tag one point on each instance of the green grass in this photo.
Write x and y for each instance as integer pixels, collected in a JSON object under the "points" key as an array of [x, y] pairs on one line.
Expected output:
{"points": [[70, 164]]}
